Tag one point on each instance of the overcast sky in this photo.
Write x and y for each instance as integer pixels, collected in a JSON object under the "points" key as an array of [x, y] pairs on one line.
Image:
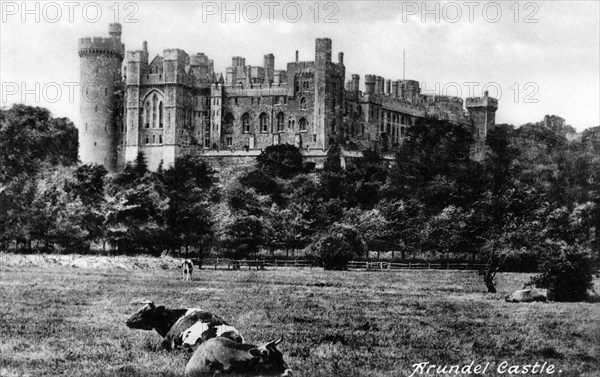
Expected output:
{"points": [[537, 57]]}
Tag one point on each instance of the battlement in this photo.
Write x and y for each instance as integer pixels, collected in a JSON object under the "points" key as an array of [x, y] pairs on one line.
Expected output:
{"points": [[484, 101], [137, 56], [451, 100], [175, 54], [199, 60], [100, 45], [256, 91]]}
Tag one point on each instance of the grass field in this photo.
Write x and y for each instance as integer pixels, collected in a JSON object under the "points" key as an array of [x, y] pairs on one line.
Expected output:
{"points": [[63, 321]]}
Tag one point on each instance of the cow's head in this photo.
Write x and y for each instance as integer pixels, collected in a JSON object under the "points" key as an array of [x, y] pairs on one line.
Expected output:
{"points": [[270, 360], [145, 318]]}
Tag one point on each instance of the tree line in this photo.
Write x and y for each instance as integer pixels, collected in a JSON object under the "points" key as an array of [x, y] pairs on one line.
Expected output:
{"points": [[535, 195]]}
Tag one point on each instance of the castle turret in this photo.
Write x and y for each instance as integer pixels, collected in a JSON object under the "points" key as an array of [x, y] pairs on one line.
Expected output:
{"points": [[269, 68], [355, 83], [483, 115], [395, 89], [100, 75], [370, 84], [322, 60]]}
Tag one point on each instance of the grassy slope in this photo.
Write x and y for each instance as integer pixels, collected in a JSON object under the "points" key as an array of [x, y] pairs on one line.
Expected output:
{"points": [[65, 321]]}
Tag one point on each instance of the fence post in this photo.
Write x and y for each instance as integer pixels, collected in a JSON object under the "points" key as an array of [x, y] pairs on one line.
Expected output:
{"points": [[429, 266], [409, 265]]}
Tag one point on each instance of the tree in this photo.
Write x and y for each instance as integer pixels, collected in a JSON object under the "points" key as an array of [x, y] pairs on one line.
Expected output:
{"points": [[187, 185], [434, 166], [566, 272], [243, 236], [30, 137], [281, 160], [340, 245], [136, 209]]}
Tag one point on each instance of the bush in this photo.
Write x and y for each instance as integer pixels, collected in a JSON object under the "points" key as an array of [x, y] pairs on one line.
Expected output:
{"points": [[566, 273], [282, 160], [339, 246]]}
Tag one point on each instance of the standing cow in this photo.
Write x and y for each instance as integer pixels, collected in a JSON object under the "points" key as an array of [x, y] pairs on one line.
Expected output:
{"points": [[222, 355], [187, 267], [182, 327]]}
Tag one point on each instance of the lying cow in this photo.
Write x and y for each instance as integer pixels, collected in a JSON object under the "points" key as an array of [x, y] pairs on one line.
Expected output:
{"points": [[187, 267], [222, 355], [182, 327], [528, 295]]}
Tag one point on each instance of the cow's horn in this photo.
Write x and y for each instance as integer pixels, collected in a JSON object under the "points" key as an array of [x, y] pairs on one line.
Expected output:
{"points": [[276, 342]]}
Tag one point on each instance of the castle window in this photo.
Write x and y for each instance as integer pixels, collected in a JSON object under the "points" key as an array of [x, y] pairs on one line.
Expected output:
{"points": [[206, 142], [154, 110], [153, 139], [280, 122], [264, 122], [147, 139], [96, 108], [258, 101], [333, 126], [160, 115], [246, 123], [228, 124], [229, 141], [302, 124], [159, 139], [306, 85], [303, 103], [147, 114]]}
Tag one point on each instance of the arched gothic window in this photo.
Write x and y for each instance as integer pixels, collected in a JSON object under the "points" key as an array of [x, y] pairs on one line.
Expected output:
{"points": [[303, 103], [264, 122], [228, 124], [280, 122], [246, 123], [302, 124]]}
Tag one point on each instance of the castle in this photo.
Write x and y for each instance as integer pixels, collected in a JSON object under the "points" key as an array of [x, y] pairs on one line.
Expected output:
{"points": [[176, 104]]}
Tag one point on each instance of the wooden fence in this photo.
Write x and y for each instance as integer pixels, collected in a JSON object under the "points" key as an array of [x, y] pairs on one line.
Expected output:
{"points": [[259, 264]]}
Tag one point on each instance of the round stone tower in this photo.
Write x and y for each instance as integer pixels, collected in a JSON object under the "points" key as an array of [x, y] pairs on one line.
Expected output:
{"points": [[100, 78]]}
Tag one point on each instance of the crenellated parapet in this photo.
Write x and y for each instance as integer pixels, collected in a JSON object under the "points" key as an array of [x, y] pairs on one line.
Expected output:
{"points": [[485, 101], [99, 46]]}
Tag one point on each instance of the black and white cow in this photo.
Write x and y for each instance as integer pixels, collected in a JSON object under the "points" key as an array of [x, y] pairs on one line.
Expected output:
{"points": [[182, 327], [187, 267], [220, 355]]}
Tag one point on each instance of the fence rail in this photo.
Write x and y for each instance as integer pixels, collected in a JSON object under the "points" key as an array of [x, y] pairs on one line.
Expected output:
{"points": [[260, 264]]}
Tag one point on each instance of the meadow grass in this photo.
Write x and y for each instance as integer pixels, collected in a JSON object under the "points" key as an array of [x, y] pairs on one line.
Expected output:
{"points": [[63, 321]]}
